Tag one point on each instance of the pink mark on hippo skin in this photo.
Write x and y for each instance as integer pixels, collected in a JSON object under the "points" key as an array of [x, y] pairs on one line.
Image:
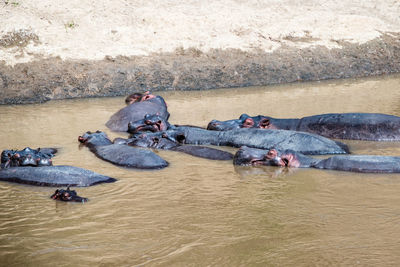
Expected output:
{"points": [[147, 96], [290, 160]]}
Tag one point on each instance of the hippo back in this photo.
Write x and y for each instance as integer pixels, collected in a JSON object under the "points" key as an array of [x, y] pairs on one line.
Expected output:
{"points": [[136, 111], [361, 163], [357, 126]]}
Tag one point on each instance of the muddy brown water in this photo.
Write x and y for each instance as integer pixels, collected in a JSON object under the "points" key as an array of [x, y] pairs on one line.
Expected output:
{"points": [[200, 212]]}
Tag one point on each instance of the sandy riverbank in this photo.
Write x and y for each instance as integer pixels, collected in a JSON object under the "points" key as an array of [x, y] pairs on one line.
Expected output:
{"points": [[64, 49]]}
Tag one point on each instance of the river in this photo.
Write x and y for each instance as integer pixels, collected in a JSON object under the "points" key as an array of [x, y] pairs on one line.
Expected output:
{"points": [[199, 212]]}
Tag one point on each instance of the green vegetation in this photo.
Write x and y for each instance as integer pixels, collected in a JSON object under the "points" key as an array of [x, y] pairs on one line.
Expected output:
{"points": [[70, 25], [13, 3]]}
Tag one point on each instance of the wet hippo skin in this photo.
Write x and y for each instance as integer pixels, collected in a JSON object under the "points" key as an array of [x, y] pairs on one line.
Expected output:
{"points": [[67, 195], [290, 158], [121, 154], [136, 111], [306, 143], [356, 126], [27, 157], [161, 142], [53, 176]]}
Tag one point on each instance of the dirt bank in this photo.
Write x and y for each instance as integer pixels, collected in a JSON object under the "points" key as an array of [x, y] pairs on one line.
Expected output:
{"points": [[55, 50]]}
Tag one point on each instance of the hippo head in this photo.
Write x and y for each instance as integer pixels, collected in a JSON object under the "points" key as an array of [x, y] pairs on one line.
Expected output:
{"points": [[244, 121], [25, 157], [152, 123], [216, 125], [138, 97], [157, 141], [98, 138], [67, 195], [8, 159], [271, 157]]}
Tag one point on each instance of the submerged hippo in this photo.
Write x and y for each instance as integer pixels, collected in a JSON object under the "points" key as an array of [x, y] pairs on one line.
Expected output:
{"points": [[148, 104], [161, 142], [137, 97], [282, 139], [53, 176], [290, 158], [67, 195], [357, 126], [27, 157], [120, 154]]}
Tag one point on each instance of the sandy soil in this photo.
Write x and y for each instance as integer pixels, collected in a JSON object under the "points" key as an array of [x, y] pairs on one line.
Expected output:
{"points": [[60, 49]]}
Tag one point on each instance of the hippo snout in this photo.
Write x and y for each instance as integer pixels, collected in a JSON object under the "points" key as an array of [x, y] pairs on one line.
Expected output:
{"points": [[213, 125]]}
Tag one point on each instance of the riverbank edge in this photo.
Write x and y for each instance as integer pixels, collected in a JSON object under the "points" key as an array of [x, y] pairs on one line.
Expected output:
{"points": [[46, 79]]}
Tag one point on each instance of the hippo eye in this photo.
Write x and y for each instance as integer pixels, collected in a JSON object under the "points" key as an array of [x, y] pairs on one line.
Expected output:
{"points": [[146, 116], [89, 132]]}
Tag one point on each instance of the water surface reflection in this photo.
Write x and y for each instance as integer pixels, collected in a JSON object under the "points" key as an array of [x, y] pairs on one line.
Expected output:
{"points": [[201, 212]]}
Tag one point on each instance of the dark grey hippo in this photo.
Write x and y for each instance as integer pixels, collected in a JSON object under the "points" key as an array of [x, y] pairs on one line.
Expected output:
{"points": [[306, 143], [136, 111], [53, 176], [150, 123], [290, 158], [67, 195], [120, 154], [27, 157], [161, 142], [357, 126]]}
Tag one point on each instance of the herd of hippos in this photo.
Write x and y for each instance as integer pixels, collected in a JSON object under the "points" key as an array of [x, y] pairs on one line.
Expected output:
{"points": [[261, 140]]}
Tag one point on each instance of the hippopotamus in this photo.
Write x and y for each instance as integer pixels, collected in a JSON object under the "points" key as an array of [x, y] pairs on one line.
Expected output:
{"points": [[120, 154], [148, 104], [27, 157], [152, 123], [68, 195], [306, 143], [356, 126], [290, 158], [53, 176], [160, 142], [137, 97]]}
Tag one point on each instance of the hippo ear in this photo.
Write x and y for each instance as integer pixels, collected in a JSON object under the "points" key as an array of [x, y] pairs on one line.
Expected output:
{"points": [[98, 131], [243, 116], [272, 153]]}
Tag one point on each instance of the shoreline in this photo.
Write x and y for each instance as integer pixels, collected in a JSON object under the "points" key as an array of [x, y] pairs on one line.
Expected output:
{"points": [[59, 50], [190, 69]]}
